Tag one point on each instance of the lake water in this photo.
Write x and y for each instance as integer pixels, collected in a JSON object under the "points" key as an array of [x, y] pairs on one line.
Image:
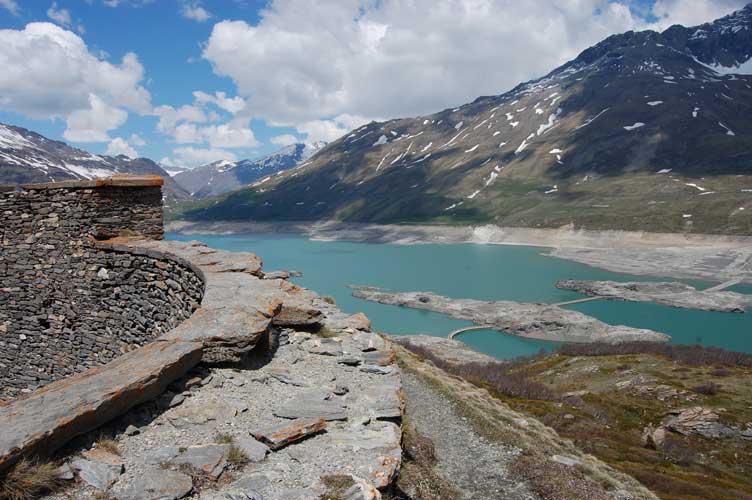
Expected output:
{"points": [[487, 272]]}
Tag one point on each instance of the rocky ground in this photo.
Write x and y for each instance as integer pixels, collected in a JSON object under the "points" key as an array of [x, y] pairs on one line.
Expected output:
{"points": [[536, 321], [672, 294], [274, 427]]}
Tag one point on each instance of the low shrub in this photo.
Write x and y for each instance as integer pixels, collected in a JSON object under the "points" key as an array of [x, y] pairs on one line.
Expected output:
{"points": [[709, 389], [28, 480], [497, 375], [692, 355]]}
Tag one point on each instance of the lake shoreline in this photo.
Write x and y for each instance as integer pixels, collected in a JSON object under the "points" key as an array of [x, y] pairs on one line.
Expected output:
{"points": [[706, 257]]}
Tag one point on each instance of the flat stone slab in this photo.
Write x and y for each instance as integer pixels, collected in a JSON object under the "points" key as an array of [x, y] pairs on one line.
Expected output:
{"points": [[325, 347], [98, 468], [227, 333], [254, 450], [280, 435], [197, 414], [312, 405], [673, 294], [209, 459], [374, 454], [535, 321], [51, 416], [157, 484], [386, 399]]}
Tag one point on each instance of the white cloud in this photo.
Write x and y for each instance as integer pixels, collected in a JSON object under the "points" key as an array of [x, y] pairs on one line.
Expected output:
{"points": [[233, 105], [136, 140], [392, 58], [10, 5], [92, 125], [192, 157], [330, 130], [59, 15], [194, 10], [167, 162], [284, 140], [169, 117], [218, 136], [119, 146], [692, 12], [48, 72]]}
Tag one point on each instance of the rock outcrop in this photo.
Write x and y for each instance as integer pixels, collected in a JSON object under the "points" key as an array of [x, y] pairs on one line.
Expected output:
{"points": [[535, 321], [672, 294]]}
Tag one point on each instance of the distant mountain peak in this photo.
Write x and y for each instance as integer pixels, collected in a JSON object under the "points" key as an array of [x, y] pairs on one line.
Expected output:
{"points": [[26, 156], [223, 176]]}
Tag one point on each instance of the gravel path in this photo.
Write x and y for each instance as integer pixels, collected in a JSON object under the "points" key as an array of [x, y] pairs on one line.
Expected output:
{"points": [[468, 461]]}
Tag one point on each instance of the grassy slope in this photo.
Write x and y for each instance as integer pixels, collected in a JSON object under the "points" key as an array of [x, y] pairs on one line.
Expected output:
{"points": [[608, 421]]}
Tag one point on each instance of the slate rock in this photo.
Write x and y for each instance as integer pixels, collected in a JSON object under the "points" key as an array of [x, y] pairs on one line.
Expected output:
{"points": [[161, 484], [211, 459], [285, 377], [228, 333], [254, 450], [280, 435], [697, 421], [99, 468], [132, 430], [349, 361], [376, 369], [324, 347], [201, 413], [251, 483], [312, 405]]}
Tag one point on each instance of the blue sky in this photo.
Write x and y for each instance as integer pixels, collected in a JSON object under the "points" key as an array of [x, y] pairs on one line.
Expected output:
{"points": [[122, 75]]}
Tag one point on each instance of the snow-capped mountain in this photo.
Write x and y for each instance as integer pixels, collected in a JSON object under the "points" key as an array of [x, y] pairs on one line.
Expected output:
{"points": [[27, 157], [223, 176], [643, 131]]}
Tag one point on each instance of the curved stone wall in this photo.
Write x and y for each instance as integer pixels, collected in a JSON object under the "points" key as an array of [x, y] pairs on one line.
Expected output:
{"points": [[66, 305]]}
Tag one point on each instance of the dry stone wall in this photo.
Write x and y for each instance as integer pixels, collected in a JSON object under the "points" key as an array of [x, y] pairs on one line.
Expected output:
{"points": [[66, 305]]}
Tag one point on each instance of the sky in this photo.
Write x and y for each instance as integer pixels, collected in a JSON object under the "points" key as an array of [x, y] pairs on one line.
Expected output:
{"points": [[187, 82]]}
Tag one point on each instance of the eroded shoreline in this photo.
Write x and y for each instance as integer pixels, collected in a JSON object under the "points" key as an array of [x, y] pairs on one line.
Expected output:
{"points": [[706, 257]]}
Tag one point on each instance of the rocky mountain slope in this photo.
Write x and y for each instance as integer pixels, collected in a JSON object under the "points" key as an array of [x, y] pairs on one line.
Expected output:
{"points": [[223, 176], [643, 131], [27, 157]]}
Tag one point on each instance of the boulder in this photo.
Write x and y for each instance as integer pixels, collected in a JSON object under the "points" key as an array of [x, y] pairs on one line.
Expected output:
{"points": [[358, 321], [697, 421], [280, 435]]}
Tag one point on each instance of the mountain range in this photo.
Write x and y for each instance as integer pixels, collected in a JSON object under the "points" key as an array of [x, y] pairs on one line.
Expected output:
{"points": [[643, 131], [28, 157], [223, 176]]}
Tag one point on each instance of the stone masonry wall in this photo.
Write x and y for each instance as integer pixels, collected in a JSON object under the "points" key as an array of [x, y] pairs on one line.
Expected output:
{"points": [[65, 305]]}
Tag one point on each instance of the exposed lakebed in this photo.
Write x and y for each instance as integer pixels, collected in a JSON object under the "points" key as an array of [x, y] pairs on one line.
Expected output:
{"points": [[484, 272]]}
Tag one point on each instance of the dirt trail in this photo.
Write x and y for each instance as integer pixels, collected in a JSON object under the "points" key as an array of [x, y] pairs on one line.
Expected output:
{"points": [[466, 460]]}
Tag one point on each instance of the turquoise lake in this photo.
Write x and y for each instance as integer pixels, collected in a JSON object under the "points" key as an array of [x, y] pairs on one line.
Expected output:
{"points": [[487, 272]]}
